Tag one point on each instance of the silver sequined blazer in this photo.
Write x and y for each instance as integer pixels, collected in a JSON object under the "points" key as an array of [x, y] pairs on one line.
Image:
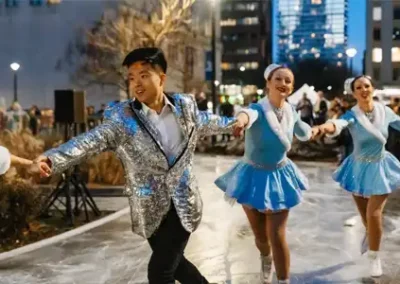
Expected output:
{"points": [[152, 178]]}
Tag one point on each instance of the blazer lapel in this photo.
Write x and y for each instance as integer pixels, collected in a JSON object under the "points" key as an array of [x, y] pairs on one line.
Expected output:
{"points": [[147, 124], [182, 116]]}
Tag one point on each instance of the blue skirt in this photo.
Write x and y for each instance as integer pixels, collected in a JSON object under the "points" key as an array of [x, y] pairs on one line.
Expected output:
{"points": [[367, 178], [262, 189]]}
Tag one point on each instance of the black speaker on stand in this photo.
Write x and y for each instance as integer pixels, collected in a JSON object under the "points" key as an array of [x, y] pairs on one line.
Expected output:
{"points": [[70, 111]]}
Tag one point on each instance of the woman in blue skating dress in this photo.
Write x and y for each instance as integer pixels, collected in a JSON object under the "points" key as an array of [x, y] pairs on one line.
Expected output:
{"points": [[265, 181], [370, 173]]}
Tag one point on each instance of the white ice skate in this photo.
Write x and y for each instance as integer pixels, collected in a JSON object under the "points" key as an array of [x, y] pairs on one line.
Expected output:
{"points": [[375, 264], [266, 269]]}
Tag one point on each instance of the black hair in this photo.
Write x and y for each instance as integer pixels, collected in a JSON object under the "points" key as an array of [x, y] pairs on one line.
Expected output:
{"points": [[151, 55]]}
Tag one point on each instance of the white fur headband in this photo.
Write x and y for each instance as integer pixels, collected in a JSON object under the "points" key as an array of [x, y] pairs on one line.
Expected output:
{"points": [[271, 68], [347, 86]]}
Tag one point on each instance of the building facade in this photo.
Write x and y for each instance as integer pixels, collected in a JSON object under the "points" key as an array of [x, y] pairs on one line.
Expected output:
{"points": [[245, 28], [382, 59], [309, 29]]}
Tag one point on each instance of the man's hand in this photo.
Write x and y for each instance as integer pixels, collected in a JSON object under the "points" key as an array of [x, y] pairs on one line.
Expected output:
{"points": [[316, 132], [41, 165], [241, 122], [40, 168]]}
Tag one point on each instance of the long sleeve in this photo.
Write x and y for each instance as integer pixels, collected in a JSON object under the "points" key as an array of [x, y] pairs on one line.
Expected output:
{"points": [[341, 123], [252, 113], [211, 124], [78, 149], [5, 160], [393, 118], [301, 129]]}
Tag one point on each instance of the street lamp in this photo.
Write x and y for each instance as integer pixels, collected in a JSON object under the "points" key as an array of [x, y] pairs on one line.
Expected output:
{"points": [[15, 66], [213, 55], [214, 61], [242, 68], [351, 52]]}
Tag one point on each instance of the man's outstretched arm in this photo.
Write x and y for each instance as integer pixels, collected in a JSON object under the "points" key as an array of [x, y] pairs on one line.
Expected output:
{"points": [[82, 147]]}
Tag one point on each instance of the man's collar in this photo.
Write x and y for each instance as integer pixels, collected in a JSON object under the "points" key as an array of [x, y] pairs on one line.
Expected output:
{"points": [[168, 101]]}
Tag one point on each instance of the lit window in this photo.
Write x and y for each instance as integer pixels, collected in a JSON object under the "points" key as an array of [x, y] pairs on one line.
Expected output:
{"points": [[313, 35], [228, 23], [248, 21], [339, 64], [377, 13], [395, 54], [248, 65], [251, 50], [316, 2], [317, 55], [246, 7], [314, 12], [340, 55], [227, 66], [396, 33], [254, 65], [377, 54]]}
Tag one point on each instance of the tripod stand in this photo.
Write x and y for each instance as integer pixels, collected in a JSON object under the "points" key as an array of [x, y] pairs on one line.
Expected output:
{"points": [[71, 185]]}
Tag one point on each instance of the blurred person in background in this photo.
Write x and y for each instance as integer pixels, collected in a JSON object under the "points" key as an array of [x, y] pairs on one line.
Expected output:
{"points": [[321, 109], [306, 110], [34, 119], [227, 109]]}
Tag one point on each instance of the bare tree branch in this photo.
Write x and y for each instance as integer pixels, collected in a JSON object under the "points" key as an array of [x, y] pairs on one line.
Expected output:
{"points": [[98, 53]]}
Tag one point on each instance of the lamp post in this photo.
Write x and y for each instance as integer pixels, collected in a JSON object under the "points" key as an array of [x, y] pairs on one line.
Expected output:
{"points": [[15, 66], [351, 52], [213, 55]]}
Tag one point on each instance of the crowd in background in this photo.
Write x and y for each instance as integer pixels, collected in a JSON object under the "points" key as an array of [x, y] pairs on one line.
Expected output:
{"points": [[15, 118]]}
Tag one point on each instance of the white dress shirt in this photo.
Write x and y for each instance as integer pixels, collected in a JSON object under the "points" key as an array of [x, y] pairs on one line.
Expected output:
{"points": [[5, 160], [167, 126]]}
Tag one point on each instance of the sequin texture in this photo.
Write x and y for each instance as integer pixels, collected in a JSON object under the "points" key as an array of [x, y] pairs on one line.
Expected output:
{"points": [[153, 178]]}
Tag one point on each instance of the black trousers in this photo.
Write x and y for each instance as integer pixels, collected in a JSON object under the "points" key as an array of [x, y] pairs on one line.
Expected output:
{"points": [[167, 263]]}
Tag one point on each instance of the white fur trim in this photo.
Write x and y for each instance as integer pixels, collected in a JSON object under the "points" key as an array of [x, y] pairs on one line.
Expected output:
{"points": [[252, 114], [270, 69], [5, 160], [340, 124], [306, 137], [283, 128], [373, 128]]}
